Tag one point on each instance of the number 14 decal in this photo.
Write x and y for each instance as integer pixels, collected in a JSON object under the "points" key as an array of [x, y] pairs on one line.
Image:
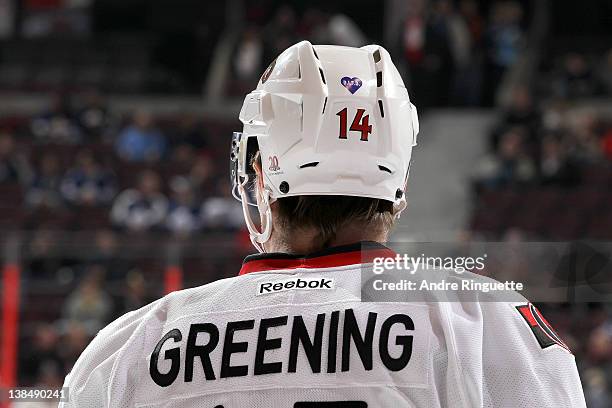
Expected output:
{"points": [[360, 124]]}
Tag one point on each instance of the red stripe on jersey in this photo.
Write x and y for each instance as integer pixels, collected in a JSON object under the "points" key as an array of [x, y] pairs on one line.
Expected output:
{"points": [[324, 261], [526, 312]]}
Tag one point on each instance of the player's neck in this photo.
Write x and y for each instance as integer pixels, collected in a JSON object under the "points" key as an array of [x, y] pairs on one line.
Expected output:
{"points": [[306, 241]]}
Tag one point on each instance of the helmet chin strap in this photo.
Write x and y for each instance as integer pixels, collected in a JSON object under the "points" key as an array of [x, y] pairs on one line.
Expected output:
{"points": [[257, 238]]}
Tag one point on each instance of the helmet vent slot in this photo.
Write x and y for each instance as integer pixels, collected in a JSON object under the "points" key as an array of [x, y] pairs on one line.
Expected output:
{"points": [[302, 116], [311, 164], [380, 106], [379, 79], [376, 56], [324, 105], [322, 76], [315, 53], [383, 168]]}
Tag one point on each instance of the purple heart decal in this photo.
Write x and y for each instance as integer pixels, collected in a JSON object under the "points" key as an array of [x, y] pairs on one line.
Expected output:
{"points": [[352, 84]]}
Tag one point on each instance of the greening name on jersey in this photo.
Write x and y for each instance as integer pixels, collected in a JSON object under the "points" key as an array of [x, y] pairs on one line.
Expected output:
{"points": [[292, 331]]}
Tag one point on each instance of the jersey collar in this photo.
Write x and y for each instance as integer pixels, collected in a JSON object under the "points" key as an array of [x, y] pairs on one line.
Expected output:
{"points": [[360, 252]]}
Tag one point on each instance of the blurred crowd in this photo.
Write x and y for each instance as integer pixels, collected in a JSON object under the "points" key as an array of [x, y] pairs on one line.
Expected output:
{"points": [[54, 346], [587, 330], [92, 159], [73, 286], [90, 188], [547, 175], [78, 165], [458, 52], [545, 144], [453, 53], [577, 74], [269, 31]]}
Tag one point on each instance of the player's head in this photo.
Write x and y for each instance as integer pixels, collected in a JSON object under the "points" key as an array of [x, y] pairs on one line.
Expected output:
{"points": [[327, 127]]}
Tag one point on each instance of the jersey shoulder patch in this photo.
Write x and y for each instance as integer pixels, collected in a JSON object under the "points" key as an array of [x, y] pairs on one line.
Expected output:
{"points": [[541, 329]]}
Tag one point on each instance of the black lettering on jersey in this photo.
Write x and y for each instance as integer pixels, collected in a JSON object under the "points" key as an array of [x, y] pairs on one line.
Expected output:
{"points": [[193, 350], [312, 349], [541, 329], [332, 348], [264, 344], [399, 363], [214, 356], [362, 344], [229, 348], [173, 354]]}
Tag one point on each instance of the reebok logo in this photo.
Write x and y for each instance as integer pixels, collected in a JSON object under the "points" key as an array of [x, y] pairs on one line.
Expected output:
{"points": [[296, 283]]}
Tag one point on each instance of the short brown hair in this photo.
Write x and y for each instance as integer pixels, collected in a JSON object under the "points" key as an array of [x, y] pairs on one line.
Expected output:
{"points": [[329, 213]]}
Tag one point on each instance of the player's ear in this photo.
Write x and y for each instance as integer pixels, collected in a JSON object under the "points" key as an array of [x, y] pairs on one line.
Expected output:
{"points": [[258, 171]]}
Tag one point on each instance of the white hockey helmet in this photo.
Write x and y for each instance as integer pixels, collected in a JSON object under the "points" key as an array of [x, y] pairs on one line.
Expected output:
{"points": [[327, 120]]}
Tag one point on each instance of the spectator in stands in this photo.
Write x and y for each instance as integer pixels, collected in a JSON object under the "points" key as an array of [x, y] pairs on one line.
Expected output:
{"points": [[555, 167], [184, 211], [314, 25], [467, 32], [279, 33], [605, 73], [248, 59], [14, 167], [89, 305], [472, 17], [606, 143], [44, 254], [44, 191], [596, 388], [141, 141], [107, 252], [142, 208], [43, 351], [599, 347], [522, 112], [93, 116], [413, 34], [554, 115], [439, 62], [433, 44], [585, 143], [57, 125], [88, 183], [344, 31], [76, 337], [222, 211], [201, 174], [134, 295], [509, 165], [503, 41], [187, 139], [576, 78], [189, 131]]}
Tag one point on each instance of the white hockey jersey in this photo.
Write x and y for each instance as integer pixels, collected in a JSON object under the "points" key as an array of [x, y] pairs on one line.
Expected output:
{"points": [[292, 332]]}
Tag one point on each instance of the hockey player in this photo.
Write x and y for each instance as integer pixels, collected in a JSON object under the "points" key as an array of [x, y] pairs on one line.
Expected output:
{"points": [[324, 155]]}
